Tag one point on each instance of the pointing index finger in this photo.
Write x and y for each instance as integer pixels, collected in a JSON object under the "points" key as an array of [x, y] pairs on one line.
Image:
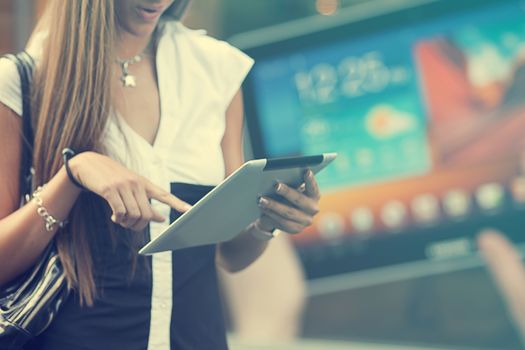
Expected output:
{"points": [[155, 192]]}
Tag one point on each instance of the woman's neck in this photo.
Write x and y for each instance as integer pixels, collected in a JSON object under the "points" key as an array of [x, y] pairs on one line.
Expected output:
{"points": [[129, 45]]}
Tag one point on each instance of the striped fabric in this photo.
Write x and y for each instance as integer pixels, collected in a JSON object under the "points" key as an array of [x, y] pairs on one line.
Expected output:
{"points": [[28, 306]]}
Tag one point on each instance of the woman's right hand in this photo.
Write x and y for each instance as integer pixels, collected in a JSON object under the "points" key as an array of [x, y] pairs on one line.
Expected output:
{"points": [[127, 193]]}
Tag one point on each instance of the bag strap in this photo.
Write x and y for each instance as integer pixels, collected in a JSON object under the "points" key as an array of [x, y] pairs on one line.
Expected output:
{"points": [[25, 63]]}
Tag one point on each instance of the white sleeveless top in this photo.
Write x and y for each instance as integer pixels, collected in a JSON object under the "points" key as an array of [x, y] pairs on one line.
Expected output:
{"points": [[197, 78]]}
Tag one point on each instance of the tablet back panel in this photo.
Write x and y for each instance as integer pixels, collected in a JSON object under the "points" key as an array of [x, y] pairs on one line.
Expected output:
{"points": [[232, 205]]}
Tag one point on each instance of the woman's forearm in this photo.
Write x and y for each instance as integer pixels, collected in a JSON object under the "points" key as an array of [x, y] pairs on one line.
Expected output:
{"points": [[23, 234], [240, 252]]}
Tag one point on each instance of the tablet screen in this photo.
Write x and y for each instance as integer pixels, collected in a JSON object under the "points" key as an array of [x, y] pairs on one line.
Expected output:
{"points": [[426, 110]]}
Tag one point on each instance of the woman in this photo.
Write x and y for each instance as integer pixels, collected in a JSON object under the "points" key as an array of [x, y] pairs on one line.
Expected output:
{"points": [[154, 112]]}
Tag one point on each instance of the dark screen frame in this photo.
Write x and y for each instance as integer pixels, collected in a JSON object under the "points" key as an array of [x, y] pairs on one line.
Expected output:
{"points": [[384, 250]]}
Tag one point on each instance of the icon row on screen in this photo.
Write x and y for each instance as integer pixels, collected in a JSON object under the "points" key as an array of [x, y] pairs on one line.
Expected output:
{"points": [[426, 209]]}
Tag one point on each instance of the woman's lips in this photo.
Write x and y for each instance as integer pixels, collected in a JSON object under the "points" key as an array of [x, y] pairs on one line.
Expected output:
{"points": [[149, 14]]}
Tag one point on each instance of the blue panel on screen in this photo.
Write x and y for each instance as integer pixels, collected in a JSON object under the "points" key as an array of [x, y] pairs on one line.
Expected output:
{"points": [[426, 113]]}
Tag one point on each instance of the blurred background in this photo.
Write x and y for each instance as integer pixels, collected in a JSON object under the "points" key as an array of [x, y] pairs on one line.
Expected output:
{"points": [[421, 99]]}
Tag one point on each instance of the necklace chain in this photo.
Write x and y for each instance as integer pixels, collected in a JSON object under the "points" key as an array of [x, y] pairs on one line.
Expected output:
{"points": [[127, 79]]}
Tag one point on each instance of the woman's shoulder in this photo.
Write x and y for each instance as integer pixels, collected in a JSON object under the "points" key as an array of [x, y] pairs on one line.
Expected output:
{"points": [[177, 30], [10, 90], [174, 26], [198, 40], [222, 65], [8, 69], [10, 94]]}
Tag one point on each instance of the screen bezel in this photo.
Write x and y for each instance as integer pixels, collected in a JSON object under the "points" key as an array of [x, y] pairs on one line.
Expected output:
{"points": [[395, 250]]}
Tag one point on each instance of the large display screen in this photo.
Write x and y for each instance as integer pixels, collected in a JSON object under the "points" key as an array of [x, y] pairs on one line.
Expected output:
{"points": [[428, 118]]}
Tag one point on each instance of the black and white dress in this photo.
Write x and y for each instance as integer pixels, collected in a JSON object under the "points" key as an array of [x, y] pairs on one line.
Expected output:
{"points": [[170, 300]]}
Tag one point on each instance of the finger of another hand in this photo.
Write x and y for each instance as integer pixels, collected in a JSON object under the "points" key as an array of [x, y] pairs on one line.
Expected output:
{"points": [[153, 214], [507, 269], [117, 206], [133, 213], [300, 200], [283, 223], [147, 212], [285, 211], [311, 186]]}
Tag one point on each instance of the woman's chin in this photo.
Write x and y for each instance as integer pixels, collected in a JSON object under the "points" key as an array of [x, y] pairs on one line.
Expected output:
{"points": [[141, 30]]}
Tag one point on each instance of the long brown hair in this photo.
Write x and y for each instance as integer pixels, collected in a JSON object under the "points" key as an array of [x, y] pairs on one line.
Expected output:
{"points": [[72, 102]]}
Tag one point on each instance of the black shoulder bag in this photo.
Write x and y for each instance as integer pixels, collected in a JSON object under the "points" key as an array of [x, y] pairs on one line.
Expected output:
{"points": [[29, 304]]}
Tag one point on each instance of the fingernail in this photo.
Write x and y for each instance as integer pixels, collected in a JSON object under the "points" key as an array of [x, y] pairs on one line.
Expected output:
{"points": [[263, 202], [307, 173], [278, 187]]}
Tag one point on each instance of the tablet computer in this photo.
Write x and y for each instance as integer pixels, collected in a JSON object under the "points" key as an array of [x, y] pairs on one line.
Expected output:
{"points": [[232, 205]]}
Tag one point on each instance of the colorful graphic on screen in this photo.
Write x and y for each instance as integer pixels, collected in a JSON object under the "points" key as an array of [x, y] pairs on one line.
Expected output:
{"points": [[428, 122]]}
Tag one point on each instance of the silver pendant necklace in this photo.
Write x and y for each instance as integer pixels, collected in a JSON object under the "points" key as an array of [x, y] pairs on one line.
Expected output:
{"points": [[127, 79]]}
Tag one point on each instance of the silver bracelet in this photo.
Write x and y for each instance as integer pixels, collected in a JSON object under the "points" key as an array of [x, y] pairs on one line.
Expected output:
{"points": [[260, 234], [49, 219]]}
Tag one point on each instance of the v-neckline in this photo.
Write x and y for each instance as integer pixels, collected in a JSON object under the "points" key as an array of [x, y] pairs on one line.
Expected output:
{"points": [[122, 121], [129, 130]]}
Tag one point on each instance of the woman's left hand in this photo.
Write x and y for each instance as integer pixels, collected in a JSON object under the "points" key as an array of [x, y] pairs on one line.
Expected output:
{"points": [[295, 211]]}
